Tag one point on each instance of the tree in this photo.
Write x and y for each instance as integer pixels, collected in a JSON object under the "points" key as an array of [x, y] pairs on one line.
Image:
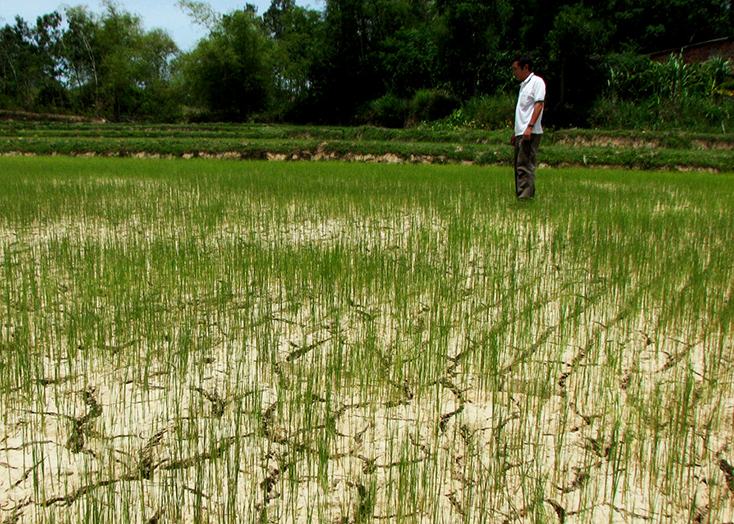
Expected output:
{"points": [[368, 49], [295, 34], [132, 65], [338, 64], [576, 42], [114, 68], [408, 60], [28, 66], [229, 74], [77, 56], [655, 25], [340, 73], [406, 50], [471, 36]]}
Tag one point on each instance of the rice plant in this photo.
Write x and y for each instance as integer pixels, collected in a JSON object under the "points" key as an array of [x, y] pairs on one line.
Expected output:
{"points": [[218, 341]]}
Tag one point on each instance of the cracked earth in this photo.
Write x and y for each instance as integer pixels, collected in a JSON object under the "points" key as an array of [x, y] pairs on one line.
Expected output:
{"points": [[294, 403]]}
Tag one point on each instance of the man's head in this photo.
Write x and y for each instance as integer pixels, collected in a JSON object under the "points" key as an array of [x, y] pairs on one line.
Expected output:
{"points": [[521, 68]]}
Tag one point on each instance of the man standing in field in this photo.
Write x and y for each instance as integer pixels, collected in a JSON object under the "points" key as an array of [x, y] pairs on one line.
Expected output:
{"points": [[528, 128]]}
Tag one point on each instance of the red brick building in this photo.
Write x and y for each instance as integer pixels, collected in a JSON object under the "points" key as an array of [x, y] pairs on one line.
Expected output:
{"points": [[720, 47]]}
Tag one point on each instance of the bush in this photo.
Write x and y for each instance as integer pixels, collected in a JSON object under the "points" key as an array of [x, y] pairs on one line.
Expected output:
{"points": [[643, 94], [387, 111], [8, 103], [491, 112], [432, 104], [687, 114]]}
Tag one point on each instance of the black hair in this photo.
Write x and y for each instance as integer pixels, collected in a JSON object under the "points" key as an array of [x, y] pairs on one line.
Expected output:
{"points": [[523, 61]]}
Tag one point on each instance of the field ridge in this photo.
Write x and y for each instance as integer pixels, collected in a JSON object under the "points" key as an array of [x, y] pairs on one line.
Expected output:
{"points": [[626, 149]]}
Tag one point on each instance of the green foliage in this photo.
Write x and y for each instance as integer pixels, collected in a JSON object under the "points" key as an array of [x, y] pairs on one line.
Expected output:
{"points": [[229, 75], [352, 61], [698, 115], [625, 76], [469, 34], [634, 77], [643, 94], [388, 111], [432, 104], [455, 138], [576, 41], [408, 58], [29, 71], [107, 65], [577, 34], [717, 78], [201, 13], [654, 25], [131, 67], [295, 34], [333, 342], [491, 112]]}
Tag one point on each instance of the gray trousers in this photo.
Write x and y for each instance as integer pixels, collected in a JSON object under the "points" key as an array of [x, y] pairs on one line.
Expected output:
{"points": [[526, 154]]}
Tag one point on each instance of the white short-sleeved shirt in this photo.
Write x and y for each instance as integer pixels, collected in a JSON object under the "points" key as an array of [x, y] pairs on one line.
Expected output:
{"points": [[532, 91]]}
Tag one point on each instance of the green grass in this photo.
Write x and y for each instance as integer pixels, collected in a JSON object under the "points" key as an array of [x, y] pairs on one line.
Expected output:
{"points": [[213, 341], [628, 149]]}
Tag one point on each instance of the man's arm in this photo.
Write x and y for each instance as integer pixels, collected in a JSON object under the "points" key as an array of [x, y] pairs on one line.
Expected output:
{"points": [[536, 115]]}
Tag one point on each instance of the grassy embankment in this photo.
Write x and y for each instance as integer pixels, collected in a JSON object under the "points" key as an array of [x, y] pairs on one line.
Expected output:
{"points": [[654, 150], [210, 341]]}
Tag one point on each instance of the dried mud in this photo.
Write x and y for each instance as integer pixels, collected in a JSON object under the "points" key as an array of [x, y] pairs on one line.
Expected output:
{"points": [[242, 431]]}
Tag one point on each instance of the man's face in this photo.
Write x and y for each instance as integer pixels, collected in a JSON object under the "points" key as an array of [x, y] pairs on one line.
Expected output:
{"points": [[521, 73]]}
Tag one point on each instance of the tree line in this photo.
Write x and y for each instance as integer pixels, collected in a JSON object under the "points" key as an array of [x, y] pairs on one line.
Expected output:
{"points": [[386, 62]]}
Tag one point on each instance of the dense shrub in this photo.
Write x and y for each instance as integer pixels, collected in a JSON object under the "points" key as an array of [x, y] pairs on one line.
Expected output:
{"points": [[432, 104], [491, 112], [387, 111], [688, 114], [643, 94]]}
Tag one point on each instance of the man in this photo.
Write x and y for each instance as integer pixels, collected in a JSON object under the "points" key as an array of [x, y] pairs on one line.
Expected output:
{"points": [[528, 127]]}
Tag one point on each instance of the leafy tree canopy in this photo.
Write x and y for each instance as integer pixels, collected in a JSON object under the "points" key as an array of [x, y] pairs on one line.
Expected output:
{"points": [[341, 63]]}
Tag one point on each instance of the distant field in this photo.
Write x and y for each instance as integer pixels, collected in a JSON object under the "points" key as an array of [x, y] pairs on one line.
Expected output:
{"points": [[214, 342], [647, 150]]}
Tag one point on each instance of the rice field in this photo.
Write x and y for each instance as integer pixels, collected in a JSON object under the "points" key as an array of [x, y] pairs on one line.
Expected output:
{"points": [[202, 341]]}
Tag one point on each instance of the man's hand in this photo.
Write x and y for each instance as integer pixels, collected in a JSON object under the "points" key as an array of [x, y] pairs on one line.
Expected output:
{"points": [[513, 139], [527, 135]]}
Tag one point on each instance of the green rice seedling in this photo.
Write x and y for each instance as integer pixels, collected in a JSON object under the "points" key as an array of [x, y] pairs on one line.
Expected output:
{"points": [[215, 341]]}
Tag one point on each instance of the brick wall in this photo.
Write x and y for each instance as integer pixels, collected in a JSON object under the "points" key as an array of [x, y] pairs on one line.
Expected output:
{"points": [[723, 47]]}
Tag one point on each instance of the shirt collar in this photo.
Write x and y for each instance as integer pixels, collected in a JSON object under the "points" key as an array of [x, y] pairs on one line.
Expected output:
{"points": [[525, 82]]}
